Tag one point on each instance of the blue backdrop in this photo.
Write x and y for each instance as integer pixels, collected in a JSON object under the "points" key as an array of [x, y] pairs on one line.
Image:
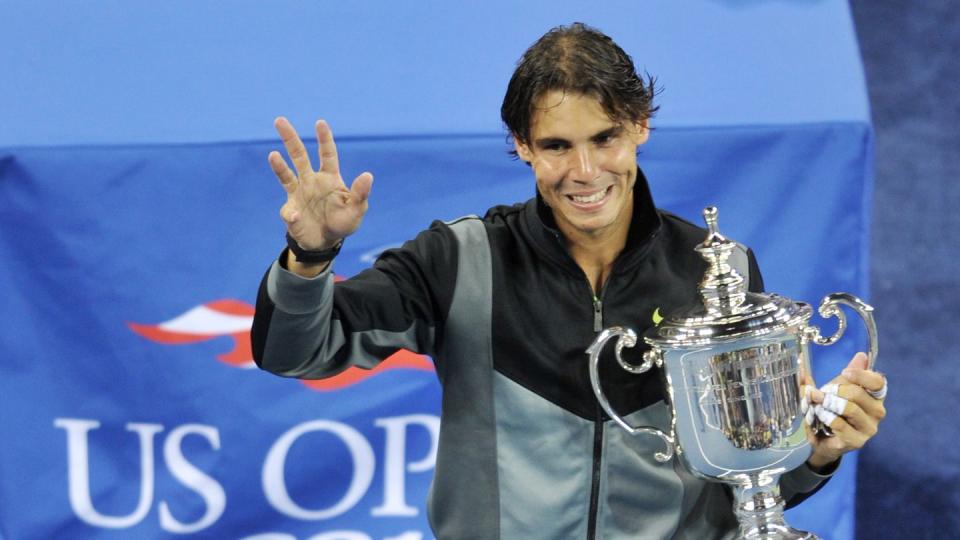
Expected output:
{"points": [[137, 214]]}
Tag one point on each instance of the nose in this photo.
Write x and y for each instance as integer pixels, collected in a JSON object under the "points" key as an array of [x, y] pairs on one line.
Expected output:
{"points": [[584, 166]]}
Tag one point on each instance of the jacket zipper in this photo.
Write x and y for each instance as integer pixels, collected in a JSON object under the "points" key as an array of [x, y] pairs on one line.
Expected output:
{"points": [[597, 314], [597, 431]]}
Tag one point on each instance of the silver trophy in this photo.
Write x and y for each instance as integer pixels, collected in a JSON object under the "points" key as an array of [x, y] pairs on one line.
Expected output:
{"points": [[733, 367]]}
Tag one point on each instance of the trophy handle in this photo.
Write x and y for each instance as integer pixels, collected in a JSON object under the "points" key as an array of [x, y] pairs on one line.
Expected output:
{"points": [[625, 338], [829, 307]]}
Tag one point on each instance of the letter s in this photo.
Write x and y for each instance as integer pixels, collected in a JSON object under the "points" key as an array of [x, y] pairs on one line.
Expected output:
{"points": [[192, 477]]}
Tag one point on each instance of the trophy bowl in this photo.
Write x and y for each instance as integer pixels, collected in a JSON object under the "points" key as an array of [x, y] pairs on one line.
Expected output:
{"points": [[733, 367]]}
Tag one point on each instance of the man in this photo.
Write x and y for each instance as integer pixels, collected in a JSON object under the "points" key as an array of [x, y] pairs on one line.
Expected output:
{"points": [[506, 305]]}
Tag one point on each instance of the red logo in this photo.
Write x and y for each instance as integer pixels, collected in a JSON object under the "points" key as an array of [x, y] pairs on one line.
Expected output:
{"points": [[232, 318]]}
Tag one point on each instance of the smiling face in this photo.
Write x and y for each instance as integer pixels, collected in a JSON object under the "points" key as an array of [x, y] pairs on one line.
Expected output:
{"points": [[585, 165]]}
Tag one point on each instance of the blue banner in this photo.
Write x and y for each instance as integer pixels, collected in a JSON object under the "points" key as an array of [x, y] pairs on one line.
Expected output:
{"points": [[129, 405]]}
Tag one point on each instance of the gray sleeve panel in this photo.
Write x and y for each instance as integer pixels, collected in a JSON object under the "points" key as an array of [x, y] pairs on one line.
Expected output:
{"points": [[306, 342], [642, 498], [299, 295], [544, 462], [464, 500]]}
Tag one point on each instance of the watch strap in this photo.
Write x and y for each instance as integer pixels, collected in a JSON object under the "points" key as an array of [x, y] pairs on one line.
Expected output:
{"points": [[313, 256]]}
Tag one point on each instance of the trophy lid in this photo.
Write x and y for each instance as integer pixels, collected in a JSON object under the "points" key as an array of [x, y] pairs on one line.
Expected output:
{"points": [[727, 311]]}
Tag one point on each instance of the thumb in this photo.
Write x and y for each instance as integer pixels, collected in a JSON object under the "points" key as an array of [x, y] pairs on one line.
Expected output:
{"points": [[859, 361], [360, 189], [289, 214]]}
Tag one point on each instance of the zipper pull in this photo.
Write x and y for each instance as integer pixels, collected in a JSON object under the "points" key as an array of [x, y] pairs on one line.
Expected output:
{"points": [[597, 314]]}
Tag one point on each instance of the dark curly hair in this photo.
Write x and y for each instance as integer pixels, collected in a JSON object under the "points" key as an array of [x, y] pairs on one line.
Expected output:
{"points": [[579, 59]]}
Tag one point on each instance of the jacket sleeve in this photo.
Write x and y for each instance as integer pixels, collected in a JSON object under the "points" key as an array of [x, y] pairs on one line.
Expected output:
{"points": [[799, 484], [315, 328]]}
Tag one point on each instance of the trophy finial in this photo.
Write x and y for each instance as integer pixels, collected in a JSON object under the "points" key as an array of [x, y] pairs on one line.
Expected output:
{"points": [[710, 214], [723, 289]]}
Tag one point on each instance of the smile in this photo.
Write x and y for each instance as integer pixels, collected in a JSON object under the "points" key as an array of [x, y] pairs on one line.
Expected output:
{"points": [[592, 199]]}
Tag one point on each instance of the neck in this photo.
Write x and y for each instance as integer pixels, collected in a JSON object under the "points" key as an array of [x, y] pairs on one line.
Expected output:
{"points": [[596, 252], [596, 265]]}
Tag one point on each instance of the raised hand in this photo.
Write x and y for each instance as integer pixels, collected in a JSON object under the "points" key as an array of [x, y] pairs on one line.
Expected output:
{"points": [[320, 209]]}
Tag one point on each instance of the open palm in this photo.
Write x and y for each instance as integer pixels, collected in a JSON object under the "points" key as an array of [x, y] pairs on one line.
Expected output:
{"points": [[320, 209]]}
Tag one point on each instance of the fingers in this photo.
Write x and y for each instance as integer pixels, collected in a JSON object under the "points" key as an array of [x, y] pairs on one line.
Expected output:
{"points": [[836, 404], [846, 435], [295, 148], [287, 179], [329, 161], [870, 406], [847, 403], [856, 374], [823, 405], [843, 439], [868, 388], [806, 378]]}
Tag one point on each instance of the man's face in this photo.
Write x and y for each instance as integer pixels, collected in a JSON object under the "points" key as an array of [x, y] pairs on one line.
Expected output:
{"points": [[585, 164]]}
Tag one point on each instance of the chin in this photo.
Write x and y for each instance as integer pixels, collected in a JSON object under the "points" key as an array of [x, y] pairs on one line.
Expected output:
{"points": [[592, 226]]}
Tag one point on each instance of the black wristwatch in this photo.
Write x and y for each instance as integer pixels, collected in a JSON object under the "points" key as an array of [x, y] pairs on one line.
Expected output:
{"points": [[314, 256]]}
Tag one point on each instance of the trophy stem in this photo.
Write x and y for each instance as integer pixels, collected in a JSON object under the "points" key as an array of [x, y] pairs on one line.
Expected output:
{"points": [[759, 510]]}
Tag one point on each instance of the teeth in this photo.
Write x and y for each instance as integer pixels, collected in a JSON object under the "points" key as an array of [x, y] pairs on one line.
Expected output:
{"points": [[596, 197]]}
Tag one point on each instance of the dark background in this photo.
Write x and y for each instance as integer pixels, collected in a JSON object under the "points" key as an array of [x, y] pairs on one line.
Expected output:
{"points": [[909, 475]]}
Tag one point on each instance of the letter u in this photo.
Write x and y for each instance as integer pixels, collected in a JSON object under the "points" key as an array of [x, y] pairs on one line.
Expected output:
{"points": [[78, 466]]}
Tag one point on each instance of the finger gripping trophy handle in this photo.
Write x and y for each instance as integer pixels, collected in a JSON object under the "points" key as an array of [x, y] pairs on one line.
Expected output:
{"points": [[829, 307], [625, 338]]}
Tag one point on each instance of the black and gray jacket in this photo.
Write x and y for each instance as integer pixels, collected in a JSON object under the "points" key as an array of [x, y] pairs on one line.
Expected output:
{"points": [[506, 314]]}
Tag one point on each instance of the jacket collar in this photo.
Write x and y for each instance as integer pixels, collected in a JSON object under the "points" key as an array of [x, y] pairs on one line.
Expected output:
{"points": [[644, 226]]}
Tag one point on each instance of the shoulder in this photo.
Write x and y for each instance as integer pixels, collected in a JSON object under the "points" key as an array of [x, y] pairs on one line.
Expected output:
{"points": [[464, 230], [679, 233], [681, 226], [504, 213], [467, 231]]}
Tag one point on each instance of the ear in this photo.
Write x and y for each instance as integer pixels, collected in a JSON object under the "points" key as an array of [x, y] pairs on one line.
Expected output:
{"points": [[641, 132], [523, 151]]}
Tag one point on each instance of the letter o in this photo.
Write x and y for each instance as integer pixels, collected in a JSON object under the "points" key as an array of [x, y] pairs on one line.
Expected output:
{"points": [[275, 488]]}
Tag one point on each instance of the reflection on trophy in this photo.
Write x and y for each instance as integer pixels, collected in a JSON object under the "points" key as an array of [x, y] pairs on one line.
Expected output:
{"points": [[733, 366], [733, 395]]}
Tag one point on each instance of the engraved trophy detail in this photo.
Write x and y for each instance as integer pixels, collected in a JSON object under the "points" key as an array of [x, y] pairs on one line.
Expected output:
{"points": [[733, 366]]}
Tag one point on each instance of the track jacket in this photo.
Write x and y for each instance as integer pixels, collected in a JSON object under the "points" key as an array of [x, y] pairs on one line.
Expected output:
{"points": [[525, 450]]}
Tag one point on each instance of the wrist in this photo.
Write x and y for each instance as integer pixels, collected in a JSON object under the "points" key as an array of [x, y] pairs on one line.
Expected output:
{"points": [[822, 465], [320, 256], [307, 270]]}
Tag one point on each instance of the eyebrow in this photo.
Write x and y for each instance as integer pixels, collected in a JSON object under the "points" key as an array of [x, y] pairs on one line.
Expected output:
{"points": [[609, 132]]}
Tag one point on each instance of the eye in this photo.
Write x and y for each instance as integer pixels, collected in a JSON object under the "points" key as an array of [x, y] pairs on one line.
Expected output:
{"points": [[554, 146], [604, 139]]}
